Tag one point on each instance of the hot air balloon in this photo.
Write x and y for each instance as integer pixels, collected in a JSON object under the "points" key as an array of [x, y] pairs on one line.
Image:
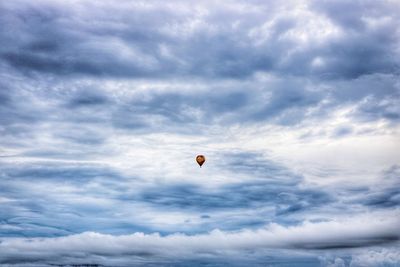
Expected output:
{"points": [[200, 160]]}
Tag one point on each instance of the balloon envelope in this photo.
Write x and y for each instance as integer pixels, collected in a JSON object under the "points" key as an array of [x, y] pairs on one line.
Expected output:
{"points": [[200, 159]]}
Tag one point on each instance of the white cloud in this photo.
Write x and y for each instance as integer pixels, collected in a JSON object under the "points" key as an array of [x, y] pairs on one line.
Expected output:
{"points": [[378, 257], [353, 232]]}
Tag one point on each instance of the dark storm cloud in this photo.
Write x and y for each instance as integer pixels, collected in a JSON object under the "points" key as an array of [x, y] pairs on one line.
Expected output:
{"points": [[58, 40]]}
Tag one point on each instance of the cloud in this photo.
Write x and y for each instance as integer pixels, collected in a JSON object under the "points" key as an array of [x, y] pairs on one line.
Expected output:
{"points": [[377, 257], [53, 199], [385, 194], [252, 37], [104, 106], [81, 189], [98, 248], [342, 131]]}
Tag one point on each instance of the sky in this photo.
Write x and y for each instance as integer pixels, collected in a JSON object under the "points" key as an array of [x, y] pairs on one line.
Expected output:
{"points": [[104, 106]]}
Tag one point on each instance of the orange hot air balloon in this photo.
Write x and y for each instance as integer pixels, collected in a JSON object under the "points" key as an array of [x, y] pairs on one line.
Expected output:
{"points": [[200, 160]]}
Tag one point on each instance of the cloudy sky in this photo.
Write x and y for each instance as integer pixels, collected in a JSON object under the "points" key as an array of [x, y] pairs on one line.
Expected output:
{"points": [[105, 104]]}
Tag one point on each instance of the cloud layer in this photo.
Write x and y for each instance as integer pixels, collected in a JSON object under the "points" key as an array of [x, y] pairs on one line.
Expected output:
{"points": [[104, 106], [138, 248]]}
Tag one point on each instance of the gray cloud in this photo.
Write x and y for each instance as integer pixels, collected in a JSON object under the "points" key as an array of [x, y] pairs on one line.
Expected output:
{"points": [[102, 249], [191, 43], [60, 185], [102, 104], [386, 194]]}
